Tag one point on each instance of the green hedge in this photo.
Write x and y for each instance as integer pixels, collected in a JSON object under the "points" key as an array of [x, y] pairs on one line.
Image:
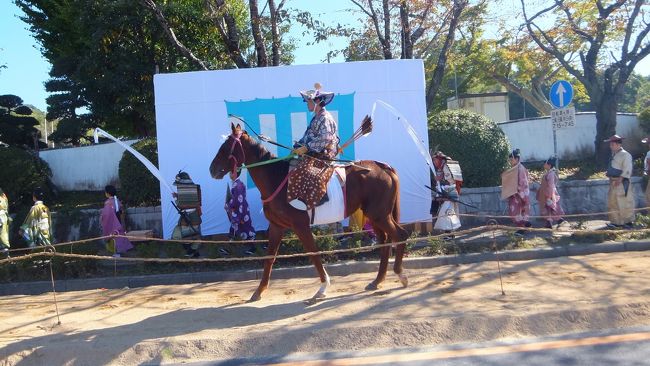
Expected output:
{"points": [[138, 186], [475, 141], [21, 172], [644, 120]]}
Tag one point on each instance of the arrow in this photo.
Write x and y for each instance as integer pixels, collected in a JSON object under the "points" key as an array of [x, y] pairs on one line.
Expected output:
{"points": [[560, 92]]}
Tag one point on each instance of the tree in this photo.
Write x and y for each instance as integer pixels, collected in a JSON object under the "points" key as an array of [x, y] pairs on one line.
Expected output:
{"points": [[610, 39], [475, 141], [427, 29], [17, 125], [104, 55], [226, 17]]}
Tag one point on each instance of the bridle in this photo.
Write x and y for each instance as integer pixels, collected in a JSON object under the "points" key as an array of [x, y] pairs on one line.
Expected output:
{"points": [[237, 162]]}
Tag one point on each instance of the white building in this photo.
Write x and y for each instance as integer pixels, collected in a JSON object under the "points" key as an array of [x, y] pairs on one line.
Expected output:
{"points": [[492, 105]]}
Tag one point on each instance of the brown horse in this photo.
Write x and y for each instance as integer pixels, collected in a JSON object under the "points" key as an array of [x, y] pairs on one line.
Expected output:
{"points": [[370, 185]]}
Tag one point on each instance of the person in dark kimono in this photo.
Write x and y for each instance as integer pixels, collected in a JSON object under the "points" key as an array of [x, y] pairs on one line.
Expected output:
{"points": [[241, 224]]}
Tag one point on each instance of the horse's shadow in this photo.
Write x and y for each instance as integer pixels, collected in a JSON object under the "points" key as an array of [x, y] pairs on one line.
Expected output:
{"points": [[172, 324]]}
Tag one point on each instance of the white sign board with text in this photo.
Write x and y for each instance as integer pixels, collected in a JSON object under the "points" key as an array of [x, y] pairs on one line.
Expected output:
{"points": [[563, 118]]}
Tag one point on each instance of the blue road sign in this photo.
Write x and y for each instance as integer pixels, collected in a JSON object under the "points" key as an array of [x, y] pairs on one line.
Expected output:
{"points": [[561, 94]]}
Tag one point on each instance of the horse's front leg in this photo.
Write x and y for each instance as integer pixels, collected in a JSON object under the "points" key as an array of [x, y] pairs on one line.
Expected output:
{"points": [[275, 236], [307, 239]]}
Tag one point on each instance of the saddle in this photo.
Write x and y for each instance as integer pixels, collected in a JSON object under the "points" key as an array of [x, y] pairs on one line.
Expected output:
{"points": [[308, 182]]}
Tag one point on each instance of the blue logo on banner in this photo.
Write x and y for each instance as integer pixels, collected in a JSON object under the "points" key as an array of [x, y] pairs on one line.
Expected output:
{"points": [[279, 111], [561, 94]]}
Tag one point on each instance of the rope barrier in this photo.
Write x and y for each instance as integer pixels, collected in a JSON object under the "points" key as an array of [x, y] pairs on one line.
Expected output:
{"points": [[237, 242], [602, 213], [492, 226]]}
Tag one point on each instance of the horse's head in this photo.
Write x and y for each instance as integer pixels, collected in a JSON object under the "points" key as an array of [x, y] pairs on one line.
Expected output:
{"points": [[230, 155]]}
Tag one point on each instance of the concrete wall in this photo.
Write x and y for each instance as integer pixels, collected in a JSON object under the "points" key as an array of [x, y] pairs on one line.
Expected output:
{"points": [[577, 197], [85, 223], [535, 136], [85, 168]]}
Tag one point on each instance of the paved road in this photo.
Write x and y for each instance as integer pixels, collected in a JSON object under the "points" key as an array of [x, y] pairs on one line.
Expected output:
{"points": [[629, 346]]}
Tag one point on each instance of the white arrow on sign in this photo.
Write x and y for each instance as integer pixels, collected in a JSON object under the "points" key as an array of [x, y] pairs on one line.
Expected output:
{"points": [[560, 92]]}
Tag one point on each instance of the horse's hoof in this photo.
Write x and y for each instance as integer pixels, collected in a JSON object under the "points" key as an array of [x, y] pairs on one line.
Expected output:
{"points": [[372, 286], [256, 297], [404, 280], [313, 300]]}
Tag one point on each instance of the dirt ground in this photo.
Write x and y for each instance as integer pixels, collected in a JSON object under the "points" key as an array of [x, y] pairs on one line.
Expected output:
{"points": [[449, 304]]}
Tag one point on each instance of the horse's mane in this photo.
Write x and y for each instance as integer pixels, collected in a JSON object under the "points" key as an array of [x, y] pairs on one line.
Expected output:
{"points": [[262, 154]]}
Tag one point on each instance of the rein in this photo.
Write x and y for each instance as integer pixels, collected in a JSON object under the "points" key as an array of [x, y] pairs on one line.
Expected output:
{"points": [[261, 137]]}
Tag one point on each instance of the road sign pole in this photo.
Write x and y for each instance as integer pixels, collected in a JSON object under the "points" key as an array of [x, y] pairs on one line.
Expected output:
{"points": [[555, 147]]}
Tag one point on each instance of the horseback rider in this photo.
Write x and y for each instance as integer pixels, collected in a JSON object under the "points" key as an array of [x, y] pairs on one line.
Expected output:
{"points": [[318, 146], [321, 137]]}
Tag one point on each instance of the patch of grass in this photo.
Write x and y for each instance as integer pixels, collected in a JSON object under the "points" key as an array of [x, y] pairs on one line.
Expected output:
{"points": [[67, 201]]}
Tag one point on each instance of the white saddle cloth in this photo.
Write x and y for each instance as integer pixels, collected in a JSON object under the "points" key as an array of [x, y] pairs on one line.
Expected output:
{"points": [[334, 209]]}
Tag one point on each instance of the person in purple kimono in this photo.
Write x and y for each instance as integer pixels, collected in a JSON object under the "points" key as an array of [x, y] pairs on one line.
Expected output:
{"points": [[241, 224], [111, 223]]}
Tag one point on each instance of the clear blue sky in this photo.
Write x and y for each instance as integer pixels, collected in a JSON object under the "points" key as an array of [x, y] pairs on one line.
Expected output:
{"points": [[27, 70]]}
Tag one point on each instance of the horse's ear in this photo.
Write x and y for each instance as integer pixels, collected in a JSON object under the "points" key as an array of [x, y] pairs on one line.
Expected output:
{"points": [[233, 128], [238, 126]]}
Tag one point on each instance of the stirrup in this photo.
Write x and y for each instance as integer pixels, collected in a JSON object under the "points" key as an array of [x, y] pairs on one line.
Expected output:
{"points": [[298, 204]]}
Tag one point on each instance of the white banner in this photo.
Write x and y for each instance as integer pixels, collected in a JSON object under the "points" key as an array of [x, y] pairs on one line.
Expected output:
{"points": [[192, 116]]}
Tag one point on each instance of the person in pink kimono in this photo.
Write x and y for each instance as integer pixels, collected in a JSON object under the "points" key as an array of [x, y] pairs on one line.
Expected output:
{"points": [[519, 204], [548, 197], [111, 224]]}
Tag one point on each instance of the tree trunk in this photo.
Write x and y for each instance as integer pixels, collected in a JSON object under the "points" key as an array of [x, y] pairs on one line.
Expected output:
{"points": [[388, 53], [407, 44], [169, 32], [226, 24], [275, 36], [439, 70], [605, 125], [532, 97], [262, 60]]}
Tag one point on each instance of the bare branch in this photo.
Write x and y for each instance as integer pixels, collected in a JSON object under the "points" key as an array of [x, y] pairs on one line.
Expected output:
{"points": [[605, 12], [551, 48], [362, 8], [438, 72], [640, 37], [171, 36], [574, 26]]}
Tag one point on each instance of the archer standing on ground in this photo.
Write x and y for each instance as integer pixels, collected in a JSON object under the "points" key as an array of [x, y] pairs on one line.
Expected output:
{"points": [[188, 202], [447, 188], [548, 197], [519, 203], [620, 197], [5, 221]]}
